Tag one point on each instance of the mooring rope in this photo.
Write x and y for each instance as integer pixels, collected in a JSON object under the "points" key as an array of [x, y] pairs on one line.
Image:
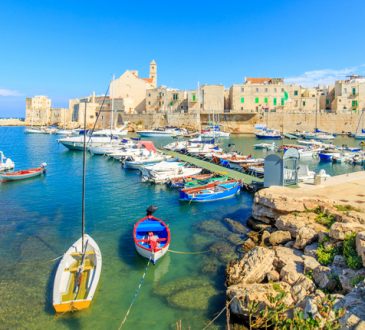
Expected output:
{"points": [[186, 252], [219, 314], [135, 294]]}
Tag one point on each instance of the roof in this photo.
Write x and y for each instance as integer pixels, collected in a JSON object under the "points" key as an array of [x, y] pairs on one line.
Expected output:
{"points": [[149, 80], [263, 80]]}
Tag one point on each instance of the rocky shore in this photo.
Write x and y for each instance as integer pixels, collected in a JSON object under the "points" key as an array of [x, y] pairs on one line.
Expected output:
{"points": [[303, 263]]}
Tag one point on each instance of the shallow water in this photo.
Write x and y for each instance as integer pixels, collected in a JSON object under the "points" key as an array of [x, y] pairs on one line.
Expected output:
{"points": [[40, 219]]}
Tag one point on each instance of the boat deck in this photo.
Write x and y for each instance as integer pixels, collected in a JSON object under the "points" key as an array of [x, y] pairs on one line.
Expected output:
{"points": [[214, 168], [82, 292]]}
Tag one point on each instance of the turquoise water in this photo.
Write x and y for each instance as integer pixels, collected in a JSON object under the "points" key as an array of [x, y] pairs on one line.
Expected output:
{"points": [[40, 219]]}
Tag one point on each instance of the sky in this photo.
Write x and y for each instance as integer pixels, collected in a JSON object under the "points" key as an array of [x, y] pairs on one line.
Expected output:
{"points": [[70, 48]]}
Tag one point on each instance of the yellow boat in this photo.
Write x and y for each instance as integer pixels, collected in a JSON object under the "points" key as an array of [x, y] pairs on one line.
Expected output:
{"points": [[77, 276]]}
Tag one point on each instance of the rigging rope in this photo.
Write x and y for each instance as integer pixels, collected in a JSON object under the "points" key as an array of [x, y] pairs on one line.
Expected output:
{"points": [[135, 294], [186, 252], [219, 314]]}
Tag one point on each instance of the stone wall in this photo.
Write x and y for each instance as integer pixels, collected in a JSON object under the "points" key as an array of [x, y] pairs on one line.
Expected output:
{"points": [[11, 122]]}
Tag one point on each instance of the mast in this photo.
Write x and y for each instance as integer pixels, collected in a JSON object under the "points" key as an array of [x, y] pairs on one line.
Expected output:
{"points": [[83, 183], [112, 112], [315, 129]]}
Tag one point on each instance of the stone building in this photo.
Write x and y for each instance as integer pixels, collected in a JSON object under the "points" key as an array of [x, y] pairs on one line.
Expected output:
{"points": [[349, 95], [131, 89], [212, 98], [60, 116], [37, 110], [78, 107]]}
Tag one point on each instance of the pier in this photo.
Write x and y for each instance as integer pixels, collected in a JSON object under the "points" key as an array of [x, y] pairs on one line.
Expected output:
{"points": [[214, 168]]}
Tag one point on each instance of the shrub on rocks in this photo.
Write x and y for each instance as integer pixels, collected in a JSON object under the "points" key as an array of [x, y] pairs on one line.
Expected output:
{"points": [[353, 260]]}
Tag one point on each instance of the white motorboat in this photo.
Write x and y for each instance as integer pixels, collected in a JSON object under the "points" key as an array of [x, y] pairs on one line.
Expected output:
{"points": [[160, 132], [135, 162], [214, 134], [6, 164], [96, 140], [265, 146], [35, 130]]}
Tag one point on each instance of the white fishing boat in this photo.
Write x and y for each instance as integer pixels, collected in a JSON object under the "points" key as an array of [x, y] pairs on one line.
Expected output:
{"points": [[203, 149], [161, 132], [95, 140], [265, 146], [35, 130], [6, 164], [110, 148], [135, 162], [77, 276], [268, 134]]}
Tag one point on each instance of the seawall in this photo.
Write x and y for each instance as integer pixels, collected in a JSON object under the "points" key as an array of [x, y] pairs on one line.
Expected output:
{"points": [[11, 122]]}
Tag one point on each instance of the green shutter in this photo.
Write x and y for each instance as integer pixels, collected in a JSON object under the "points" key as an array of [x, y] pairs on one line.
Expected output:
{"points": [[274, 100], [266, 100], [194, 97], [295, 93], [282, 101], [353, 91], [256, 100], [242, 100], [327, 102]]}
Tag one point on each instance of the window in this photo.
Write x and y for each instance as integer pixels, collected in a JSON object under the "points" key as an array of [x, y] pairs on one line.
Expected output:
{"points": [[303, 103], [175, 96], [171, 103], [354, 103], [353, 91], [257, 90], [149, 103], [149, 94], [274, 101], [282, 90], [282, 101], [241, 108], [266, 100], [327, 101], [345, 90], [256, 100], [295, 93], [266, 90], [194, 97], [242, 90], [242, 100]]}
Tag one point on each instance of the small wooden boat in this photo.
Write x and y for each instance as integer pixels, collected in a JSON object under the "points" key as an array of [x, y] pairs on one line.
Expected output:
{"points": [[200, 183], [77, 276], [151, 237], [181, 182], [24, 174], [212, 192]]}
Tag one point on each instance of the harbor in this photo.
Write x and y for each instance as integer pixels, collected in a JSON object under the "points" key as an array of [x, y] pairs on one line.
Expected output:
{"points": [[38, 231]]}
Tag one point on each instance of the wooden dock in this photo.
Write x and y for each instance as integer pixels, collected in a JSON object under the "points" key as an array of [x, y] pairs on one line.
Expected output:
{"points": [[214, 168]]}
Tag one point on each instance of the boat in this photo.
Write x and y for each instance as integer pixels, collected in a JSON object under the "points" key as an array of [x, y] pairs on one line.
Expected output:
{"points": [[77, 276], [268, 134], [35, 130], [79, 270], [136, 161], [360, 133], [160, 132], [290, 136], [265, 146], [24, 174], [151, 236], [95, 140], [180, 182], [327, 154], [211, 193], [214, 131], [205, 182], [6, 164]]}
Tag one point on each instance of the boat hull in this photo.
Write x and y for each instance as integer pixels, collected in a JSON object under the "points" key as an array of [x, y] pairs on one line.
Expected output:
{"points": [[65, 278], [15, 177], [268, 137]]}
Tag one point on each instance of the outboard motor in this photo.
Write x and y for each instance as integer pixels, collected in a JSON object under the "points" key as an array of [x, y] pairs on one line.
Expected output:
{"points": [[151, 209]]}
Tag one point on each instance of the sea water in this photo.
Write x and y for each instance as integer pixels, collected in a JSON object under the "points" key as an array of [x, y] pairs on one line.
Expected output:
{"points": [[41, 217]]}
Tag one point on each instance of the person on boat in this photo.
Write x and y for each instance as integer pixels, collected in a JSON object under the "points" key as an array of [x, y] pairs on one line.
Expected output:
{"points": [[152, 240]]}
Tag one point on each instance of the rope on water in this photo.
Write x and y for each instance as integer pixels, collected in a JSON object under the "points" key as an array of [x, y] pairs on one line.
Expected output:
{"points": [[219, 314], [186, 252], [135, 294]]}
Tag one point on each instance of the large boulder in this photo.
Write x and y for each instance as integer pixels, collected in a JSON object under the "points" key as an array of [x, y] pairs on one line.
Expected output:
{"points": [[246, 294], [305, 236], [339, 230], [360, 245], [286, 256], [349, 278], [311, 250], [310, 264], [252, 268], [258, 225], [324, 278], [279, 237]]}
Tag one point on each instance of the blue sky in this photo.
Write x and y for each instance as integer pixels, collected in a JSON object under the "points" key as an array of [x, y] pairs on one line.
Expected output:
{"points": [[69, 48]]}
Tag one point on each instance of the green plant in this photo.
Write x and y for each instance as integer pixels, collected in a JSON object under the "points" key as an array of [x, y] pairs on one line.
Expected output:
{"points": [[326, 254], [357, 279], [353, 260], [346, 208], [309, 274], [325, 219]]}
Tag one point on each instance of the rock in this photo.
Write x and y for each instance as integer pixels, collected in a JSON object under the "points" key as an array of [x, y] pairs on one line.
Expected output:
{"points": [[360, 245], [289, 274], [265, 238], [339, 262], [213, 227], [339, 230], [193, 298], [252, 268], [248, 245], [349, 278], [302, 288], [210, 265], [182, 283], [224, 251], [286, 256], [273, 276], [235, 239], [311, 308], [304, 237], [279, 237], [254, 236], [256, 293], [324, 278], [310, 264], [235, 226], [354, 303], [264, 214], [258, 225], [311, 250], [289, 244]]}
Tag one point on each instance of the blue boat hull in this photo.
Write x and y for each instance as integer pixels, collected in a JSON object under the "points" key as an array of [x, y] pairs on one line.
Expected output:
{"points": [[325, 157], [210, 197], [268, 137]]}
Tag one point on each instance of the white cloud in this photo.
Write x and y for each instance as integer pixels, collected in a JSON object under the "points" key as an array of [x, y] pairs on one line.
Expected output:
{"points": [[8, 92], [324, 76]]}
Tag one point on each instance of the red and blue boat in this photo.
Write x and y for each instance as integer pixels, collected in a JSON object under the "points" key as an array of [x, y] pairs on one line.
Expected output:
{"points": [[212, 192], [151, 236]]}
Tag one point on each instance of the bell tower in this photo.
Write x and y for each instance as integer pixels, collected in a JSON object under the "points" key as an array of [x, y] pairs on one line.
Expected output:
{"points": [[153, 73]]}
